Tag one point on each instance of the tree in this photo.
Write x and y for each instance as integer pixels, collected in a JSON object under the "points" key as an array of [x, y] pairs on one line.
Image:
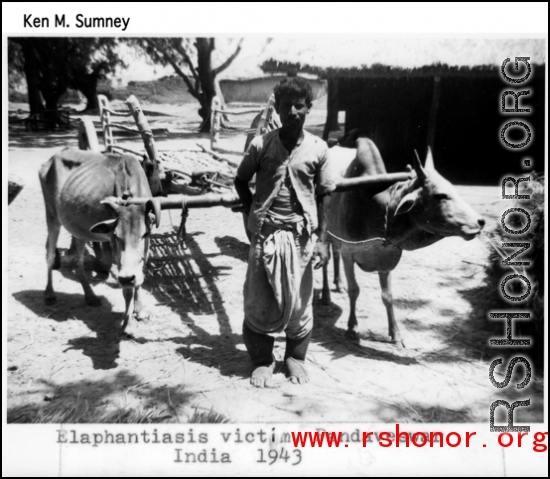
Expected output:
{"points": [[22, 59], [97, 57], [52, 65], [192, 60]]}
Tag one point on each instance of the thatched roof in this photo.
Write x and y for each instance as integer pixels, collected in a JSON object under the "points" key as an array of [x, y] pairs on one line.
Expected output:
{"points": [[356, 56]]}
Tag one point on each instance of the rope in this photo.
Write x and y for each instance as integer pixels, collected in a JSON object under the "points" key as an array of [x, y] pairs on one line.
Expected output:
{"points": [[224, 112], [182, 232], [347, 246], [342, 240]]}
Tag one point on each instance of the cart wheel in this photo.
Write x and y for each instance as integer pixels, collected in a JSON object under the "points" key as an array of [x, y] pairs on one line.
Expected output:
{"points": [[87, 137]]}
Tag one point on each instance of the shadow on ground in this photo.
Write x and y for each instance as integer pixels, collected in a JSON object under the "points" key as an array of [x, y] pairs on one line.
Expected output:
{"points": [[468, 337], [175, 280], [19, 138], [84, 402], [233, 247], [104, 349], [411, 412], [331, 337]]}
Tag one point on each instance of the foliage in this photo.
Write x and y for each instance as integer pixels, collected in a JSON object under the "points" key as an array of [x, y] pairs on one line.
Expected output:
{"points": [[208, 417], [192, 59], [535, 255], [52, 65], [80, 412]]}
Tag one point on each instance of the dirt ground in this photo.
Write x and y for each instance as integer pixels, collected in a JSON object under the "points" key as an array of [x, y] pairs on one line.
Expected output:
{"points": [[189, 358]]}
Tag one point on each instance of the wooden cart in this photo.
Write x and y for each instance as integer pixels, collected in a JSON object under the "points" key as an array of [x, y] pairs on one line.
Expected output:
{"points": [[212, 191]]}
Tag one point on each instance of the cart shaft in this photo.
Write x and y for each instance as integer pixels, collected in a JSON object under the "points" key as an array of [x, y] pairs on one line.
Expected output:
{"points": [[212, 199]]}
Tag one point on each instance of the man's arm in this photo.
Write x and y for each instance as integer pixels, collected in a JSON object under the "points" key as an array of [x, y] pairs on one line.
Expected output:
{"points": [[245, 172], [322, 251], [244, 193]]}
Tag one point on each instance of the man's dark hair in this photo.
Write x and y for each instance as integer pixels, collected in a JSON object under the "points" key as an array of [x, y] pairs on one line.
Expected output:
{"points": [[294, 87]]}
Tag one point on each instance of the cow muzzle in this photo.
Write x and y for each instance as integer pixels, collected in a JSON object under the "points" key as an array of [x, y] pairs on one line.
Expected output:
{"points": [[127, 281], [470, 232]]}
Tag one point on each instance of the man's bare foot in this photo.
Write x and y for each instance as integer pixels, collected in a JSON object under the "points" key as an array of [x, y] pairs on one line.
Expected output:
{"points": [[261, 376], [296, 371]]}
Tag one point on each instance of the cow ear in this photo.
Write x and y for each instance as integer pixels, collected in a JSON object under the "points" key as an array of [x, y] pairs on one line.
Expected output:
{"points": [[153, 206], [152, 219], [407, 203], [111, 202], [104, 227]]}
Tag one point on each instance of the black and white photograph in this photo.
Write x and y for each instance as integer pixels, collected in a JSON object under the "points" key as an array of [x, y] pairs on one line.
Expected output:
{"points": [[239, 246]]}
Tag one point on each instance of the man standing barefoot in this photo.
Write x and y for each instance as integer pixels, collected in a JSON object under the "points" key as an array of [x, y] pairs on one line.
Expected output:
{"points": [[289, 205]]}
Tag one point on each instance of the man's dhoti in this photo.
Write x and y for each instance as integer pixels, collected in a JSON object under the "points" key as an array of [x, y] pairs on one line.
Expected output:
{"points": [[278, 291]]}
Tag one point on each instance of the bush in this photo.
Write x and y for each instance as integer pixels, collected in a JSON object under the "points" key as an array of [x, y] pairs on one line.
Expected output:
{"points": [[535, 254]]}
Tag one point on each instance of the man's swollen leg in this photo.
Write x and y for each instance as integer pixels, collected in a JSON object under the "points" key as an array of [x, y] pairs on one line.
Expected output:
{"points": [[295, 357], [260, 350]]}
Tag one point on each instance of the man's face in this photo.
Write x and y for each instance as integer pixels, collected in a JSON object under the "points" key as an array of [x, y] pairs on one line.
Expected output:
{"points": [[292, 112]]}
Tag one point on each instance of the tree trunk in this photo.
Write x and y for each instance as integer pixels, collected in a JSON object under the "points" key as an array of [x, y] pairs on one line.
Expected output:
{"points": [[88, 87], [52, 91], [205, 111], [54, 79], [91, 99], [51, 114], [86, 83], [36, 103], [207, 77]]}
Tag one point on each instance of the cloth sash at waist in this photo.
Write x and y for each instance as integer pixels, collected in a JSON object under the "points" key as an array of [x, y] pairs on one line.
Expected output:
{"points": [[284, 264]]}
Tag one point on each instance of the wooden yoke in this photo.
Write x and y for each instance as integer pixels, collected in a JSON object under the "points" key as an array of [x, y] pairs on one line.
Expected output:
{"points": [[172, 202], [205, 201]]}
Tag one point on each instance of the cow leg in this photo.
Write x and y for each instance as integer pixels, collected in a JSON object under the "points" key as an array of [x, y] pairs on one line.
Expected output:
{"points": [[57, 261], [337, 279], [104, 256], [387, 299], [54, 227], [140, 312], [353, 294], [71, 255], [72, 251], [325, 297], [90, 297], [128, 294], [336, 264], [98, 254]]}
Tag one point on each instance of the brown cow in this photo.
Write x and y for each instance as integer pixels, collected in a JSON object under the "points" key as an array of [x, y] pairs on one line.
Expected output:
{"points": [[372, 228], [85, 192]]}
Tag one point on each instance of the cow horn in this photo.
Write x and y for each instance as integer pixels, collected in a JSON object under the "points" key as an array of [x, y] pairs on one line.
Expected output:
{"points": [[429, 164], [154, 204], [112, 202], [418, 167]]}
